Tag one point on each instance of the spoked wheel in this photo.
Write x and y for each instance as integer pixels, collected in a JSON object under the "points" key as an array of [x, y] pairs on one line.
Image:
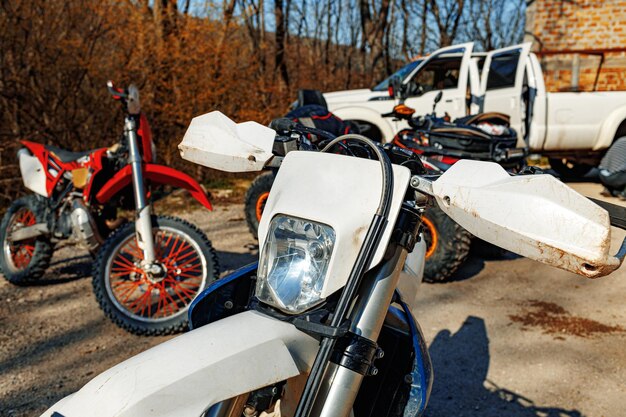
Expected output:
{"points": [[260, 205], [255, 200], [21, 253], [447, 245], [154, 303], [430, 236], [25, 260]]}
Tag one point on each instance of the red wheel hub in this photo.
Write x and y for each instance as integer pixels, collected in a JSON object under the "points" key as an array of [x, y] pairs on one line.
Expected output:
{"points": [[21, 253], [146, 298]]}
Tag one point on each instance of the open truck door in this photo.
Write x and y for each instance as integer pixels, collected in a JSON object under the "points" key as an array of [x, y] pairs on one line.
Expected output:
{"points": [[446, 70], [505, 87]]}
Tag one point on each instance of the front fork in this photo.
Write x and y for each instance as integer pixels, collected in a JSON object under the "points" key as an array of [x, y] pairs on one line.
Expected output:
{"points": [[340, 384], [143, 221]]}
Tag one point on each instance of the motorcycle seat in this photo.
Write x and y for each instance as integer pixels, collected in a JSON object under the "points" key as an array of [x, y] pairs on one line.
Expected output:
{"points": [[64, 155], [489, 117], [461, 130]]}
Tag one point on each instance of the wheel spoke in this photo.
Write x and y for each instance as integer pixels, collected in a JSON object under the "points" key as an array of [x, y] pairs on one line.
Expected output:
{"points": [[22, 253], [129, 291], [150, 297], [171, 300], [141, 301], [188, 292]]}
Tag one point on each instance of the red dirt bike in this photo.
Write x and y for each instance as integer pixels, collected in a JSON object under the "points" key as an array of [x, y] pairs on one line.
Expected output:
{"points": [[146, 272]]}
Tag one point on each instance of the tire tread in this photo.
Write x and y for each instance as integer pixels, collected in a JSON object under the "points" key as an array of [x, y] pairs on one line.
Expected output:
{"points": [[117, 317], [43, 248]]}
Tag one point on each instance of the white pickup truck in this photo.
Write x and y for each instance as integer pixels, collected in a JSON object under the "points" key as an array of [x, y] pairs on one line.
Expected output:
{"points": [[573, 129]]}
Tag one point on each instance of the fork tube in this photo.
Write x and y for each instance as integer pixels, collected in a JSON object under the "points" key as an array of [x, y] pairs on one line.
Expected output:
{"points": [[341, 385], [143, 221]]}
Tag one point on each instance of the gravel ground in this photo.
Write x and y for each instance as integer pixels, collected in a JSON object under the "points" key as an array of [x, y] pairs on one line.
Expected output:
{"points": [[508, 337]]}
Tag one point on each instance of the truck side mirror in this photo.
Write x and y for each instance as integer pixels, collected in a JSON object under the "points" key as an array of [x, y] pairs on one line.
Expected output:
{"points": [[396, 89]]}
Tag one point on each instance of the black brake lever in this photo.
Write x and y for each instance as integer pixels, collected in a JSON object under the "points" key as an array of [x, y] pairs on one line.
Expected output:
{"points": [[116, 92], [288, 125], [617, 214]]}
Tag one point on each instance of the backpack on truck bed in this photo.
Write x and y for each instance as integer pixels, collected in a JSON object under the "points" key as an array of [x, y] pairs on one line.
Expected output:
{"points": [[310, 110]]}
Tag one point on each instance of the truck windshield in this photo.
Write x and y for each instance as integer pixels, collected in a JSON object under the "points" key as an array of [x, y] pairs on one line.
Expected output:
{"points": [[402, 72]]}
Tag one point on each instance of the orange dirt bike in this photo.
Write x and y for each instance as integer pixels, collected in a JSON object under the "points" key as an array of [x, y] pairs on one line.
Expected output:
{"points": [[146, 272]]}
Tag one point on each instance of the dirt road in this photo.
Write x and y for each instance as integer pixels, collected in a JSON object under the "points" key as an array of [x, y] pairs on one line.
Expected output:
{"points": [[509, 337]]}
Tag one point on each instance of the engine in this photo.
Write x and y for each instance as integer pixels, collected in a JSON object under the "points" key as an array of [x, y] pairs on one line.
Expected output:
{"points": [[83, 225]]}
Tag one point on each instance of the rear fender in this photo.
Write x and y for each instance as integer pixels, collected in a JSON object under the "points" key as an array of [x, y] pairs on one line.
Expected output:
{"points": [[37, 149], [186, 375], [609, 128], [158, 174], [40, 173]]}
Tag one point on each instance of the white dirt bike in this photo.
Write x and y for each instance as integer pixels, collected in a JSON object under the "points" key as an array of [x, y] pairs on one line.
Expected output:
{"points": [[329, 330]]}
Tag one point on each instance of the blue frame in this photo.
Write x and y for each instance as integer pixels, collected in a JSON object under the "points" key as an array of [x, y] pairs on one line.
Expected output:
{"points": [[221, 284], [422, 369]]}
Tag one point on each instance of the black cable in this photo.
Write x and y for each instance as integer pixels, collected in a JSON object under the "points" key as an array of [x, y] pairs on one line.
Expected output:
{"points": [[364, 259], [387, 185]]}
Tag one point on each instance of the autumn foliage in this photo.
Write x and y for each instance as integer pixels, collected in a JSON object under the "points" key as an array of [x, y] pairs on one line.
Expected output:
{"points": [[246, 58], [57, 56]]}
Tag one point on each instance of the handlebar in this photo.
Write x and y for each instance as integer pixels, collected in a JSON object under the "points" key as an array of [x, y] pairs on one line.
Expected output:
{"points": [[288, 125], [117, 93], [128, 96]]}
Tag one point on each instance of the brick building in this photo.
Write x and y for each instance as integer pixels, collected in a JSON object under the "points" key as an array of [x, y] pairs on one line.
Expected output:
{"points": [[596, 28]]}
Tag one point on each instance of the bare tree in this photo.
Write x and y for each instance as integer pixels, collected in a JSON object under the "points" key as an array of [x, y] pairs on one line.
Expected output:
{"points": [[494, 24], [447, 17], [375, 22], [280, 35]]}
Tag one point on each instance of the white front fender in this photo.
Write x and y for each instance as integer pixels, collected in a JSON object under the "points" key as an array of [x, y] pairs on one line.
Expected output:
{"points": [[186, 375]]}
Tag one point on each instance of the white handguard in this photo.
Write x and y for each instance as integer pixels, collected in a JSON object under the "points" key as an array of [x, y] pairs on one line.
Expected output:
{"points": [[535, 216], [215, 141]]}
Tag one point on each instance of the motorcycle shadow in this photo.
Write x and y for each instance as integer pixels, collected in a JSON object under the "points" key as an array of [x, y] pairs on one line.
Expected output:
{"points": [[461, 388], [67, 269], [480, 251], [230, 261], [63, 270]]}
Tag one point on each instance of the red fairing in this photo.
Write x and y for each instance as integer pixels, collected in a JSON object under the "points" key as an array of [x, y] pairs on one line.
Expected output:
{"points": [[146, 138], [36, 148], [95, 162], [158, 174]]}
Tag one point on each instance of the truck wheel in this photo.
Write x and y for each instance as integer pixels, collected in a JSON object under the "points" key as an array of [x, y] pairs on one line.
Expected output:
{"points": [[255, 200], [611, 174], [568, 169], [153, 305], [27, 260], [447, 245]]}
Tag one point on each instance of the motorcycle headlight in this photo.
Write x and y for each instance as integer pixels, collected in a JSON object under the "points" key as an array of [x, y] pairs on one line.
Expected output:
{"points": [[293, 263]]}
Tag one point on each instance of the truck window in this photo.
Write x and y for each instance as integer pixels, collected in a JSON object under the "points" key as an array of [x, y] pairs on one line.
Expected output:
{"points": [[402, 73], [438, 74], [502, 70]]}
